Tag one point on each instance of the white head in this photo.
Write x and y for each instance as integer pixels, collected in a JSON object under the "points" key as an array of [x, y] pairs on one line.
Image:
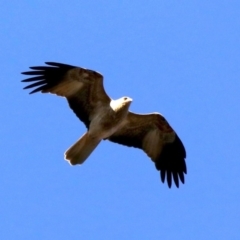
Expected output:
{"points": [[126, 100], [121, 103]]}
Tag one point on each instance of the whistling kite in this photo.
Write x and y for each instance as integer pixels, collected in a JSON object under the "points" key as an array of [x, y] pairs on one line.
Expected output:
{"points": [[110, 119]]}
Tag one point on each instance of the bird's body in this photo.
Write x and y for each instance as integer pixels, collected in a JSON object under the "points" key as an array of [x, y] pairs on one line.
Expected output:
{"points": [[106, 121], [110, 119]]}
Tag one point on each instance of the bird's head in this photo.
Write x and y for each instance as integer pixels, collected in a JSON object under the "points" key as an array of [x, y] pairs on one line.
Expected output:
{"points": [[121, 103], [126, 100]]}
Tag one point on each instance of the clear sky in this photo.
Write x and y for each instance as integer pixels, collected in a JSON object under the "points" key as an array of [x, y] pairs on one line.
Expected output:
{"points": [[180, 58]]}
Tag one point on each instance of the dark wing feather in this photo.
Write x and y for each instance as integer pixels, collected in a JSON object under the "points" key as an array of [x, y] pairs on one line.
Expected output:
{"points": [[153, 134], [50, 76], [83, 88]]}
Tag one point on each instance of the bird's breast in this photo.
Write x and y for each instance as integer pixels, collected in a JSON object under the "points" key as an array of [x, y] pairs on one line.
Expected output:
{"points": [[105, 123]]}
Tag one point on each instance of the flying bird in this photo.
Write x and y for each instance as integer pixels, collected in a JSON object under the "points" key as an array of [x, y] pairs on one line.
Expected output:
{"points": [[108, 119]]}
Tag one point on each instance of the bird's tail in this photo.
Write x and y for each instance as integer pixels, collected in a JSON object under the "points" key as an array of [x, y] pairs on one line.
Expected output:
{"points": [[81, 150]]}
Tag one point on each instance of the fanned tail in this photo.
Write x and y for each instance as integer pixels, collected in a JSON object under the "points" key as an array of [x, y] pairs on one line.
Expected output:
{"points": [[81, 150]]}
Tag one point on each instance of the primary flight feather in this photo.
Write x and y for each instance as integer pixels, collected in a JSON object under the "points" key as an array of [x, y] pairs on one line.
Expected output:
{"points": [[110, 119]]}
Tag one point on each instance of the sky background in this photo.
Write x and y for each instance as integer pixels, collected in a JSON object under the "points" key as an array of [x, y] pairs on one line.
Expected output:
{"points": [[180, 58]]}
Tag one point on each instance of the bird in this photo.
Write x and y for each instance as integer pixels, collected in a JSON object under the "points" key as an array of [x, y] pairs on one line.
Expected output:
{"points": [[109, 119]]}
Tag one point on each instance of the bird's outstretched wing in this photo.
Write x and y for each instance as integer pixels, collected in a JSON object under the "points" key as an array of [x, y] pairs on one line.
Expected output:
{"points": [[83, 88], [153, 134]]}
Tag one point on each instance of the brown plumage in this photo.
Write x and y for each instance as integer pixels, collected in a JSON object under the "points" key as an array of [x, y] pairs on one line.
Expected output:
{"points": [[110, 119]]}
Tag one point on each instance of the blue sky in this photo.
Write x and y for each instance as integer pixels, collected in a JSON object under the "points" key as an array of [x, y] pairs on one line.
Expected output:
{"points": [[180, 58]]}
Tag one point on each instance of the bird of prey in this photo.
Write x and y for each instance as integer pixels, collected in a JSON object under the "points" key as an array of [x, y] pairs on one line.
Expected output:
{"points": [[110, 119]]}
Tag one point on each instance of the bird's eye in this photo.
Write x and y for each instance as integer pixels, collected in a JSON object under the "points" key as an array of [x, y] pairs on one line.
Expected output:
{"points": [[125, 98]]}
